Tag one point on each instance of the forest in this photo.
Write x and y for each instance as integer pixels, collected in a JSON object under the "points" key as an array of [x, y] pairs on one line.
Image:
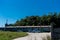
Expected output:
{"points": [[51, 18]]}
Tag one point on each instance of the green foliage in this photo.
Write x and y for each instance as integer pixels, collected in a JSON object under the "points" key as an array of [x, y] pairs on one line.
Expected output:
{"points": [[11, 35], [38, 20]]}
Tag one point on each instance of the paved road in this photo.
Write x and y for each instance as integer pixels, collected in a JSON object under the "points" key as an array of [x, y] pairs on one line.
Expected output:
{"points": [[34, 36]]}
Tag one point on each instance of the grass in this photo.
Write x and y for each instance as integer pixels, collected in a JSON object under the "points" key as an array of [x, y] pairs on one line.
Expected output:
{"points": [[11, 35]]}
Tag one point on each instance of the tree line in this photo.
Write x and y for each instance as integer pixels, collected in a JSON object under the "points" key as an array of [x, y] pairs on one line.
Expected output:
{"points": [[38, 20]]}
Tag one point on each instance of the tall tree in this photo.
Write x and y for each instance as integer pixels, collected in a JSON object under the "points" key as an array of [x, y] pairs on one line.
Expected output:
{"points": [[38, 20]]}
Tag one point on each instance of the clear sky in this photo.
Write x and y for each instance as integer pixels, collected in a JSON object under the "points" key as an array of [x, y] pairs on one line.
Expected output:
{"points": [[17, 9]]}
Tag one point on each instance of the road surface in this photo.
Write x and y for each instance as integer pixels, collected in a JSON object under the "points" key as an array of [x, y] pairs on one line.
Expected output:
{"points": [[34, 36]]}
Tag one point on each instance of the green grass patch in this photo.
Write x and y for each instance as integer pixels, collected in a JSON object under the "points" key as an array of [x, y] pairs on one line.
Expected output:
{"points": [[11, 35]]}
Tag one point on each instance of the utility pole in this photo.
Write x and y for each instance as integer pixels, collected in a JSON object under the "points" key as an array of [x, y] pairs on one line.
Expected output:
{"points": [[6, 24]]}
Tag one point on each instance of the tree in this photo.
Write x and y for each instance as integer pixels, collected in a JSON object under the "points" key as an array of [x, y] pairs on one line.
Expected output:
{"points": [[38, 20]]}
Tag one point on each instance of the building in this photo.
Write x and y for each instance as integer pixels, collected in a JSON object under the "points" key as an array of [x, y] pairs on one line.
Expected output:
{"points": [[27, 28]]}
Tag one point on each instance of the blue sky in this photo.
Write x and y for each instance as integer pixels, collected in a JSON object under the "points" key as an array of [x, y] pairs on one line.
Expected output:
{"points": [[17, 9]]}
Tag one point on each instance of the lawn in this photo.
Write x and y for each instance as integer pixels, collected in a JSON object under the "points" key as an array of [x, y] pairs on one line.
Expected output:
{"points": [[4, 35]]}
